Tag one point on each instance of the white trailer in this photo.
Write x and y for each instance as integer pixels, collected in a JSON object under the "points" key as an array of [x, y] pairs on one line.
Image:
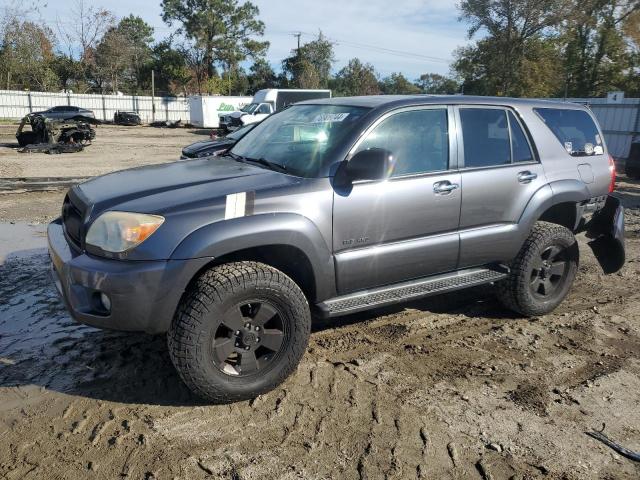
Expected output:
{"points": [[205, 111]]}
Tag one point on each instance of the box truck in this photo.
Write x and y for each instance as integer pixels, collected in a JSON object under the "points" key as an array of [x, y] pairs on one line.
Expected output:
{"points": [[265, 103]]}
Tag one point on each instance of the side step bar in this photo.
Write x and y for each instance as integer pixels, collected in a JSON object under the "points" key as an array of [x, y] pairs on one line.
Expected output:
{"points": [[401, 292]]}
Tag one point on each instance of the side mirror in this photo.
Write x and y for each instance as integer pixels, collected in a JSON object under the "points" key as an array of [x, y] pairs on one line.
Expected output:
{"points": [[371, 164]]}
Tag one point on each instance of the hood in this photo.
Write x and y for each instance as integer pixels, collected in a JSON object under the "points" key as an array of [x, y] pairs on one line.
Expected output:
{"points": [[206, 147], [177, 186], [238, 114]]}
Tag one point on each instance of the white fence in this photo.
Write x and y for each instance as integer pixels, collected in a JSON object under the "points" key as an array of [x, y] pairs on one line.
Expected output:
{"points": [[620, 121], [17, 104]]}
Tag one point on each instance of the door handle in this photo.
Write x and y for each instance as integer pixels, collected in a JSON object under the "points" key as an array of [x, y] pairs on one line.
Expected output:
{"points": [[444, 188], [526, 177]]}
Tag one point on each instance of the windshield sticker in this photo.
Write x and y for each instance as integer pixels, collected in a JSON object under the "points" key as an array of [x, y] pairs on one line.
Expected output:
{"points": [[330, 118], [598, 140], [568, 146], [598, 150]]}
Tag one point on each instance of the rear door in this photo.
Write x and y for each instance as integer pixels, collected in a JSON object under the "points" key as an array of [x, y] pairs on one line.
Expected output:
{"points": [[407, 226], [499, 174]]}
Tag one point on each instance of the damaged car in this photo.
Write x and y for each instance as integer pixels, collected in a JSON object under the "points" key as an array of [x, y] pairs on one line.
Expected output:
{"points": [[52, 135], [129, 119]]}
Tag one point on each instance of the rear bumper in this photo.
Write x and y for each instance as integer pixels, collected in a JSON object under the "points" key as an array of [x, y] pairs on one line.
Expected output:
{"points": [[606, 229], [143, 294]]}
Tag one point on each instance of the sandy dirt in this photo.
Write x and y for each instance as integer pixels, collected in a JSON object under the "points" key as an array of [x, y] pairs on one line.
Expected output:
{"points": [[448, 387], [115, 148]]}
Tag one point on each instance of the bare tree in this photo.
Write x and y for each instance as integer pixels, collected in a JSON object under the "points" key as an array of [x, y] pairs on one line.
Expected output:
{"points": [[88, 26]]}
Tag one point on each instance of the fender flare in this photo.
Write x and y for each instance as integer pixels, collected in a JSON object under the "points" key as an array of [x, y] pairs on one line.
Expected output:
{"points": [[547, 196], [225, 237]]}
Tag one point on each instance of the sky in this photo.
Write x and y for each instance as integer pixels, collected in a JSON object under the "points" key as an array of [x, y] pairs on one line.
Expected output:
{"points": [[408, 36]]}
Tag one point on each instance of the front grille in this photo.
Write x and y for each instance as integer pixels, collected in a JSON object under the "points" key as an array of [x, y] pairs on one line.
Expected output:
{"points": [[73, 219]]}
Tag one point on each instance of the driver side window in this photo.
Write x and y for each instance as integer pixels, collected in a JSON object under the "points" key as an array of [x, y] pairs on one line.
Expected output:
{"points": [[417, 139], [264, 108]]}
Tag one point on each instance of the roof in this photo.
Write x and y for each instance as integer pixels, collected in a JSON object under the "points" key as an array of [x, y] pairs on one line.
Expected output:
{"points": [[395, 101]]}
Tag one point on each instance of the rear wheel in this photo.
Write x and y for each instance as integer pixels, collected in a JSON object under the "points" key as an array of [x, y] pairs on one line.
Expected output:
{"points": [[240, 330], [543, 272]]}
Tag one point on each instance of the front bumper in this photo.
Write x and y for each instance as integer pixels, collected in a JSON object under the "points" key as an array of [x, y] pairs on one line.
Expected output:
{"points": [[143, 294]]}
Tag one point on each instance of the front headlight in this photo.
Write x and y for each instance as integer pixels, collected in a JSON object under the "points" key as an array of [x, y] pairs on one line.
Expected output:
{"points": [[119, 232]]}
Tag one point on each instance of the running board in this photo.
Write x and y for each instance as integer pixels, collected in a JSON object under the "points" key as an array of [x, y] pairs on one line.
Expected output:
{"points": [[401, 292]]}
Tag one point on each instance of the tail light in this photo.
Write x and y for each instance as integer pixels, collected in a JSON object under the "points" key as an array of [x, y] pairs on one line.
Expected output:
{"points": [[612, 171]]}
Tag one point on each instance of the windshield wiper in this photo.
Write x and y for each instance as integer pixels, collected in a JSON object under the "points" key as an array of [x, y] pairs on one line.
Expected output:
{"points": [[267, 163], [235, 156]]}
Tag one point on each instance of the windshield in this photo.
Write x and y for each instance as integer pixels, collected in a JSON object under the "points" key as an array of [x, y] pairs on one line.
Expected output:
{"points": [[249, 108], [241, 132], [299, 138]]}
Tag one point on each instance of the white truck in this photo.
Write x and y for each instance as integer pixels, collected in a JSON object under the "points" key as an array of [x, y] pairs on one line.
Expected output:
{"points": [[265, 103]]}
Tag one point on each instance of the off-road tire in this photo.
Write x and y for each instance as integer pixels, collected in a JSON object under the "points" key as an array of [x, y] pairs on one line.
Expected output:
{"points": [[194, 325], [515, 293]]}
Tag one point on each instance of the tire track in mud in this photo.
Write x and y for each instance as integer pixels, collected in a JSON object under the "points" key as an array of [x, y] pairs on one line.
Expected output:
{"points": [[380, 395]]}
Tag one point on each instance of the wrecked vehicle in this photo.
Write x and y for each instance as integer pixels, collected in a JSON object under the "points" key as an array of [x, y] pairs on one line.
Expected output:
{"points": [[129, 119], [332, 207], [216, 146], [166, 123], [52, 135]]}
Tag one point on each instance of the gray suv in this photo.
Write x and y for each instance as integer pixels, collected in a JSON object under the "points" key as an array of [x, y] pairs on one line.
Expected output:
{"points": [[331, 207]]}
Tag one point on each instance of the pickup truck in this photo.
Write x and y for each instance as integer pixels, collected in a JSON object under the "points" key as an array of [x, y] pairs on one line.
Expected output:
{"points": [[265, 103]]}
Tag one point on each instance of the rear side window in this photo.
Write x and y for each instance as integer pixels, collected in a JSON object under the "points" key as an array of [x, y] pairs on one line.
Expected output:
{"points": [[575, 129], [486, 137], [519, 144]]}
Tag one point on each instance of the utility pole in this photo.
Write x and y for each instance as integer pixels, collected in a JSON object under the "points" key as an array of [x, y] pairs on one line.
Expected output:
{"points": [[153, 95], [298, 35]]}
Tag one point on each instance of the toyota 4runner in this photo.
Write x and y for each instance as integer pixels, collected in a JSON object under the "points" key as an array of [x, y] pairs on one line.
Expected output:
{"points": [[336, 206]]}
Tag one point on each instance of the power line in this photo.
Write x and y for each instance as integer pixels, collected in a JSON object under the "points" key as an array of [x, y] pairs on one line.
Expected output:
{"points": [[383, 49]]}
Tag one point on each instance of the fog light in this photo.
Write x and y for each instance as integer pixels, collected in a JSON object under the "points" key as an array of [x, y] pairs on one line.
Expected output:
{"points": [[106, 303]]}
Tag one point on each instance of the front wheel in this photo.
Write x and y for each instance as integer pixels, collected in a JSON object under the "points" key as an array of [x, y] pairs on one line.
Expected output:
{"points": [[240, 330], [543, 272]]}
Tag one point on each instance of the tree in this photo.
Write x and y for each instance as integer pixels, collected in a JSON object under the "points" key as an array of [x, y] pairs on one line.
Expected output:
{"points": [[596, 54], [172, 74], [310, 65], [356, 79], [437, 84], [495, 64], [81, 37], [261, 75], [139, 37], [398, 84], [222, 31], [27, 56], [112, 57], [631, 29]]}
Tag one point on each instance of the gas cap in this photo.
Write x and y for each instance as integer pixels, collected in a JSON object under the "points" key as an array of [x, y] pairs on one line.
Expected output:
{"points": [[586, 172]]}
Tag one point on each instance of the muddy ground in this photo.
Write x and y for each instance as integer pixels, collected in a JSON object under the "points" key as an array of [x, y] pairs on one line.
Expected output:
{"points": [[449, 387]]}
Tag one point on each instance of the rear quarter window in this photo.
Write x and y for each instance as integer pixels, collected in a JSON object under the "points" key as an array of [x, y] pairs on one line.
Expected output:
{"points": [[574, 129]]}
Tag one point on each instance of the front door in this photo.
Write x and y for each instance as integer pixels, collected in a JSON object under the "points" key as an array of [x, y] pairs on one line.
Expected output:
{"points": [[405, 227]]}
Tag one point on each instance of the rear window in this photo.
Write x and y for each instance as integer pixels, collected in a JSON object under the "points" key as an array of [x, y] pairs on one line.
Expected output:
{"points": [[575, 129]]}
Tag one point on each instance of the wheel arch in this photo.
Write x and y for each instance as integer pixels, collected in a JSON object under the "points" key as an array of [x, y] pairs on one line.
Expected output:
{"points": [[558, 203], [289, 242]]}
